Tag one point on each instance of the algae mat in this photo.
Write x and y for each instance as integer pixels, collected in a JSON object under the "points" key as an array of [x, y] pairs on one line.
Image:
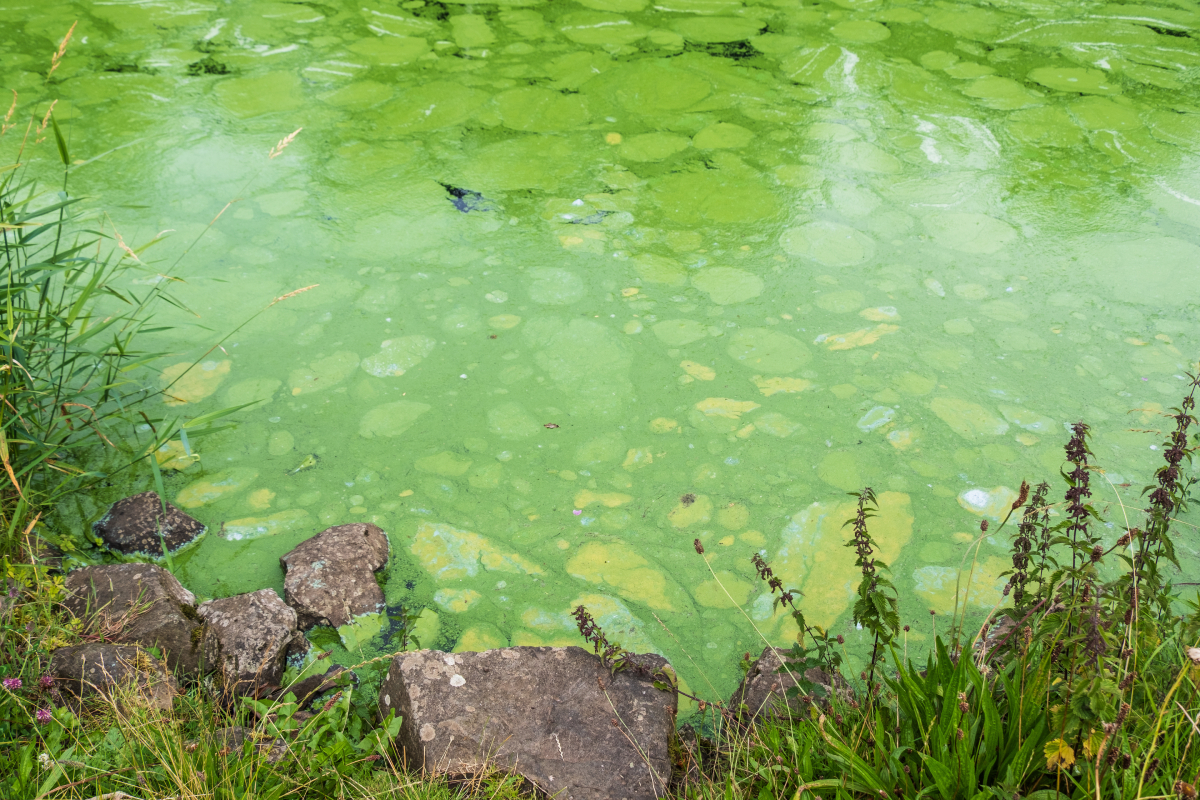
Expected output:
{"points": [[599, 278]]}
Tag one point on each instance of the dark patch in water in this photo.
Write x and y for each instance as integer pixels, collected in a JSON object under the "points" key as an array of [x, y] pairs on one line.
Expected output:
{"points": [[125, 68], [1169, 32], [466, 200], [590, 219], [737, 51], [207, 66], [435, 10]]}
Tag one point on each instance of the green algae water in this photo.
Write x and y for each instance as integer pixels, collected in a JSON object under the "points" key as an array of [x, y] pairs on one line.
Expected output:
{"points": [[591, 280]]}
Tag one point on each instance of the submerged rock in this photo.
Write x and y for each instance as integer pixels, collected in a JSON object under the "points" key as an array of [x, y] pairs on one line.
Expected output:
{"points": [[554, 715], [247, 639], [330, 579], [139, 604], [132, 526], [106, 670]]}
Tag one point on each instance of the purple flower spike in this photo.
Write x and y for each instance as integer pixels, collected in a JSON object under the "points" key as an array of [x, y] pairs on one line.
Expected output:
{"points": [[46, 681], [43, 716], [12, 684]]}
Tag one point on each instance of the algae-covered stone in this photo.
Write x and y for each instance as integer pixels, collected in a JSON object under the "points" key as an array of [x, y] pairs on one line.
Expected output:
{"points": [[135, 525]]}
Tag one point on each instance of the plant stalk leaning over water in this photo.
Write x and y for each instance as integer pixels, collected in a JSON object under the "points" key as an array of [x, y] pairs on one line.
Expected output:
{"points": [[876, 607]]}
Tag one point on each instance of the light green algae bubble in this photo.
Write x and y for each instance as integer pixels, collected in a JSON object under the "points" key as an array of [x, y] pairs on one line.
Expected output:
{"points": [[829, 243], [727, 285], [969, 233], [1074, 79], [391, 419], [721, 136], [397, 356], [692, 269], [653, 146], [767, 351], [678, 332]]}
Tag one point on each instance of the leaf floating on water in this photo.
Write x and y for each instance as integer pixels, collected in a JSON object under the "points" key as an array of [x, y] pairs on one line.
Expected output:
{"points": [[310, 461]]}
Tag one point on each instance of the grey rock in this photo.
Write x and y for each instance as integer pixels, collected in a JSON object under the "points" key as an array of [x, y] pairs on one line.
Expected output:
{"points": [[132, 525], [763, 691], [330, 578], [246, 638], [142, 604], [554, 715], [94, 669]]}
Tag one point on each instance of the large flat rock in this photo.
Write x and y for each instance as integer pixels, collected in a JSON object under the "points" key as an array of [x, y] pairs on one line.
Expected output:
{"points": [[555, 715]]}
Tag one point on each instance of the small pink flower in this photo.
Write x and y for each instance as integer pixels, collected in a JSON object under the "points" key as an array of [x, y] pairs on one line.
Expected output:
{"points": [[12, 684], [43, 716], [46, 681], [576, 511]]}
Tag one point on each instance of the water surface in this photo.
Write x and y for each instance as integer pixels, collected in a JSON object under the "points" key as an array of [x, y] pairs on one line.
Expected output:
{"points": [[599, 278]]}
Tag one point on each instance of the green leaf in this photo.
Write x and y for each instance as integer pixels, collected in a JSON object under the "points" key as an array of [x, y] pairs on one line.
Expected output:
{"points": [[943, 776], [218, 414], [62, 143]]}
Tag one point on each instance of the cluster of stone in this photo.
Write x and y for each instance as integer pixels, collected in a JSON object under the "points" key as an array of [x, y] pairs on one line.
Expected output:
{"points": [[245, 640], [568, 723]]}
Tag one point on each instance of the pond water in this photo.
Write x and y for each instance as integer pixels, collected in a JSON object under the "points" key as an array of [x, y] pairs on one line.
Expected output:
{"points": [[595, 279]]}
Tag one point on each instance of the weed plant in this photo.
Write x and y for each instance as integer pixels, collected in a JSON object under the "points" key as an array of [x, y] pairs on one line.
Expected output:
{"points": [[1083, 683]]}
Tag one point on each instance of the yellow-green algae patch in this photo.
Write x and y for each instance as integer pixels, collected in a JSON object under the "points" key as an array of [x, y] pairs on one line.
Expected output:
{"points": [[324, 373], [969, 420], [690, 510], [190, 383], [279, 522], [479, 637], [457, 600], [540, 627], [213, 488], [451, 554], [812, 555], [390, 419], [629, 573]]}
